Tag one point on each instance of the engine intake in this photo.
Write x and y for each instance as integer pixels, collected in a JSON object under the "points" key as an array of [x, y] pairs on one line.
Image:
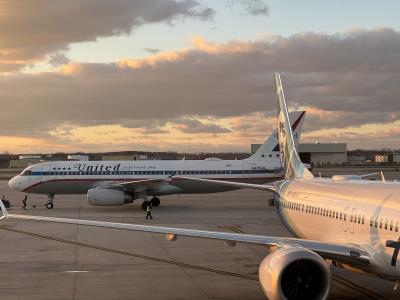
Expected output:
{"points": [[108, 197], [294, 273]]}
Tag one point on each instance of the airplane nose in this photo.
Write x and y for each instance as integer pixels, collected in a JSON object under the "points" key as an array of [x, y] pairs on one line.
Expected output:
{"points": [[14, 183]]}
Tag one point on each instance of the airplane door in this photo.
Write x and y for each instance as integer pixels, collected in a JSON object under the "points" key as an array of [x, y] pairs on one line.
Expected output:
{"points": [[45, 173], [247, 167], [354, 217], [123, 174], [346, 219]]}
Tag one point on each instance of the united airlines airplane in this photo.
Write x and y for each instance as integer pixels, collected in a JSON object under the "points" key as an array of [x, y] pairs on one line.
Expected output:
{"points": [[121, 182], [339, 221]]}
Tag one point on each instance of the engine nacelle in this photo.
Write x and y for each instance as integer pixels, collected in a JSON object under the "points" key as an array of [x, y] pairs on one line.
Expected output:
{"points": [[293, 272], [108, 197]]}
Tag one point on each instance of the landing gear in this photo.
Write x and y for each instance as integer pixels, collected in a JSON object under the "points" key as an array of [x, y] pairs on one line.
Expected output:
{"points": [[145, 204], [155, 201], [49, 204]]}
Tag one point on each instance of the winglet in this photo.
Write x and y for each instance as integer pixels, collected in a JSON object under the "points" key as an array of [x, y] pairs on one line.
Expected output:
{"points": [[292, 165], [4, 210]]}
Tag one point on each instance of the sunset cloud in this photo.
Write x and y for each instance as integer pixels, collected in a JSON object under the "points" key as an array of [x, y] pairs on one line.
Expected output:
{"points": [[30, 30], [217, 94]]}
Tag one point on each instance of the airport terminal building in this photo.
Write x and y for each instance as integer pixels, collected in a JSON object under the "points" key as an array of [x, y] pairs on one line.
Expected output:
{"points": [[319, 154]]}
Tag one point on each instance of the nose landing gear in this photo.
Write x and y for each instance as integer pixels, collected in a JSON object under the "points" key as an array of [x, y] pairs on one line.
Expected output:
{"points": [[49, 204]]}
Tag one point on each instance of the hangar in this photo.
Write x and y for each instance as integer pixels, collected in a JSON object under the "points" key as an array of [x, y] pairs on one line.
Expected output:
{"points": [[319, 154]]}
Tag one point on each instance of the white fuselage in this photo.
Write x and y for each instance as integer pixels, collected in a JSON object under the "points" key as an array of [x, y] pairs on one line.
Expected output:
{"points": [[361, 212], [78, 177]]}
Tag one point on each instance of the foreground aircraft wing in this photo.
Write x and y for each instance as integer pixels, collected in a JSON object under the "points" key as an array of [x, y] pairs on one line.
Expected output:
{"points": [[242, 185], [351, 254]]}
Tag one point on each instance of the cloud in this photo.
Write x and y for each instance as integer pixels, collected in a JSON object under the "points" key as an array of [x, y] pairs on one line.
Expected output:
{"points": [[30, 30], [187, 125], [346, 80], [255, 7], [249, 7], [152, 50], [58, 59]]}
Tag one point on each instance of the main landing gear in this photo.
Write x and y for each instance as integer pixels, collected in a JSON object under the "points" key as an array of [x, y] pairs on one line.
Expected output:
{"points": [[49, 204], [153, 202]]}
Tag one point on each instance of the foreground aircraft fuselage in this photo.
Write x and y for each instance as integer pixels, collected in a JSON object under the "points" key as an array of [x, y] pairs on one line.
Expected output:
{"points": [[361, 212]]}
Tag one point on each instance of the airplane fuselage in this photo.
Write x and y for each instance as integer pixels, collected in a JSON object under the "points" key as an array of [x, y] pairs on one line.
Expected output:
{"points": [[78, 177], [360, 212]]}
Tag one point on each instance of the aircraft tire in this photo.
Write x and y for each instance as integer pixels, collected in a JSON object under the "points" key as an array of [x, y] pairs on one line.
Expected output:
{"points": [[49, 205], [145, 204], [155, 201]]}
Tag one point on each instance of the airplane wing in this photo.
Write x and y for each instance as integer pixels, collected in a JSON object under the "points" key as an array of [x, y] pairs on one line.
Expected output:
{"points": [[345, 253], [263, 187], [137, 184]]}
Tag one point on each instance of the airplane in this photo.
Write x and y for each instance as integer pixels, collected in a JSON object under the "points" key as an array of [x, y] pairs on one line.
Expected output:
{"points": [[346, 223], [121, 182]]}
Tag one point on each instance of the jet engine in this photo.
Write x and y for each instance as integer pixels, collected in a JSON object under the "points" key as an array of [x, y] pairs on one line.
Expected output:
{"points": [[293, 272], [108, 197]]}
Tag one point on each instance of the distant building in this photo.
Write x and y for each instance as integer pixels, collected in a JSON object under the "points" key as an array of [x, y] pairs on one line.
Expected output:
{"points": [[124, 157], [319, 154], [21, 157], [78, 157], [24, 161], [388, 158], [394, 158], [381, 159], [356, 160]]}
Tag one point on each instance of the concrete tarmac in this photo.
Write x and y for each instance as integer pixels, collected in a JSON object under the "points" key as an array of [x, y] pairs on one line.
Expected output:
{"points": [[41, 268]]}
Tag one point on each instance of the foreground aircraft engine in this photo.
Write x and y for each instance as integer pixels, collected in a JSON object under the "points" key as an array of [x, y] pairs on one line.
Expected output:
{"points": [[107, 197], [293, 272]]}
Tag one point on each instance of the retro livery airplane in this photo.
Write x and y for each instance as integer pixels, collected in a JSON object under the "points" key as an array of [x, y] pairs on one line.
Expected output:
{"points": [[351, 224], [117, 183]]}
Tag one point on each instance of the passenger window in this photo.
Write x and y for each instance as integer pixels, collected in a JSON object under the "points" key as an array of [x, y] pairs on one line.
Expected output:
{"points": [[371, 222], [363, 219], [391, 225], [376, 222], [381, 223], [397, 227], [351, 218], [386, 224]]}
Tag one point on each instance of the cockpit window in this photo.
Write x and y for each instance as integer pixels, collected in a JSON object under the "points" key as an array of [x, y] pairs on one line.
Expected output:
{"points": [[26, 173]]}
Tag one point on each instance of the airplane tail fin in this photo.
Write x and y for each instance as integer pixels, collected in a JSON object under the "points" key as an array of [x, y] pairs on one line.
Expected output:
{"points": [[270, 148], [292, 165]]}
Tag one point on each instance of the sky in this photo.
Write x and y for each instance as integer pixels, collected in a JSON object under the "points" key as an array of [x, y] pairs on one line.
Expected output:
{"points": [[195, 75]]}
